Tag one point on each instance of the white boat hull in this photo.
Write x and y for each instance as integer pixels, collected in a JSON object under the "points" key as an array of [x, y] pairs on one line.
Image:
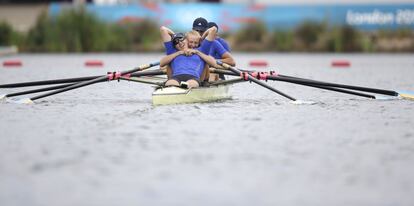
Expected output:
{"points": [[176, 95]]}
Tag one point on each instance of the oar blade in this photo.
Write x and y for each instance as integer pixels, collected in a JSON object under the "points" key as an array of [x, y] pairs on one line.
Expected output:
{"points": [[406, 95], [20, 101], [303, 102], [383, 97], [2, 96]]}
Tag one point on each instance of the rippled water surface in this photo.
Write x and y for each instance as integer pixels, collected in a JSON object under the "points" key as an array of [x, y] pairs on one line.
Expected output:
{"points": [[105, 144]]}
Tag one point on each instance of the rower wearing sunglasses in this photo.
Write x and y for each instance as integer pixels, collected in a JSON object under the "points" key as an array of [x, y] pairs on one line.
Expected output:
{"points": [[188, 65]]}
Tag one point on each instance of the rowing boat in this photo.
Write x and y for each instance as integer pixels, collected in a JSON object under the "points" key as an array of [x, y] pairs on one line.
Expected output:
{"points": [[217, 90], [177, 95]]}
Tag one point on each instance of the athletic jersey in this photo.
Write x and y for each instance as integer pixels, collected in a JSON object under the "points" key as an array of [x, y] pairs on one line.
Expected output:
{"points": [[192, 65], [218, 48], [224, 44]]}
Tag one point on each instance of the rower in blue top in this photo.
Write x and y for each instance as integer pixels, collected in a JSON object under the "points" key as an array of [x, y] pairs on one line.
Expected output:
{"points": [[187, 64], [219, 39], [220, 49]]}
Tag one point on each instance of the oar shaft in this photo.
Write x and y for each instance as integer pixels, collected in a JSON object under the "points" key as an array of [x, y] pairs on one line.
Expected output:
{"points": [[250, 78], [229, 81], [221, 71], [142, 81], [338, 90], [344, 86], [148, 73], [92, 81], [47, 82], [154, 72], [309, 82], [38, 90], [74, 86]]}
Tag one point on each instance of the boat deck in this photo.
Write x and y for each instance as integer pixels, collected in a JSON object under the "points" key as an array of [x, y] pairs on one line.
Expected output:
{"points": [[177, 95]]}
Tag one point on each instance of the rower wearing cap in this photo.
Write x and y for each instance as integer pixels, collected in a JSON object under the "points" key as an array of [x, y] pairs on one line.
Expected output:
{"points": [[187, 65], [219, 39], [220, 50], [200, 25]]}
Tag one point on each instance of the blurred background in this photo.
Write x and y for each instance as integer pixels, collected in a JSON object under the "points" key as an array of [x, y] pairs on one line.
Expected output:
{"points": [[248, 25]]}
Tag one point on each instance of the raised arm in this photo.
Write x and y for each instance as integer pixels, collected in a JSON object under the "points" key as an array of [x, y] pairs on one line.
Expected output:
{"points": [[166, 33], [210, 34], [167, 59]]}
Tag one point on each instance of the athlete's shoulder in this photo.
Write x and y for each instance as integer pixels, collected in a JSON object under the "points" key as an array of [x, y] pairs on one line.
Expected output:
{"points": [[224, 43]]}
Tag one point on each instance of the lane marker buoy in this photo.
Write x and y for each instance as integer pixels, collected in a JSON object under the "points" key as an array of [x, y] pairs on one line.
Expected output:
{"points": [[93, 63], [12, 63], [340, 63], [258, 63]]}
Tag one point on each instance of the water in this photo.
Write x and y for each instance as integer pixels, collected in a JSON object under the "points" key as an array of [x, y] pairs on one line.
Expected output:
{"points": [[106, 145]]}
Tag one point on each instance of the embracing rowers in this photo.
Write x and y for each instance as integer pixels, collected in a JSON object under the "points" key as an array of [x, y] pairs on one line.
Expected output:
{"points": [[190, 55]]}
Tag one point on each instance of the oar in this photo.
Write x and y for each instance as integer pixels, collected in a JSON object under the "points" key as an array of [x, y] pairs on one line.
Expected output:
{"points": [[136, 74], [402, 94], [250, 78], [35, 90], [53, 81], [228, 81], [221, 71], [89, 82], [334, 86], [47, 82], [141, 80]]}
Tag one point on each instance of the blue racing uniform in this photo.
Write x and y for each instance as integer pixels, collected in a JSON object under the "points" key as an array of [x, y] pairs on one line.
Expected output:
{"points": [[217, 50], [190, 65], [224, 44]]}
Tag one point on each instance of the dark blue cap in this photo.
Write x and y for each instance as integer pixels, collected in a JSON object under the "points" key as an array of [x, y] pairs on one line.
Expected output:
{"points": [[211, 24], [177, 38], [200, 24]]}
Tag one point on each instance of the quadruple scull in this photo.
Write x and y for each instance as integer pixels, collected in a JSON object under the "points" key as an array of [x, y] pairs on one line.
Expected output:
{"points": [[218, 90]]}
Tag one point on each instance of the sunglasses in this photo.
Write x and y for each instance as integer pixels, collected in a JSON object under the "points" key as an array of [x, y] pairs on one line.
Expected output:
{"points": [[177, 38]]}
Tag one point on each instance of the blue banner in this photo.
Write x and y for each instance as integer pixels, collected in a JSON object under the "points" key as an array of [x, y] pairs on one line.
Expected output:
{"points": [[231, 17]]}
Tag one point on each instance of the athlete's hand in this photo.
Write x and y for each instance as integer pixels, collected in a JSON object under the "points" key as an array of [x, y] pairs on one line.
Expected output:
{"points": [[189, 52]]}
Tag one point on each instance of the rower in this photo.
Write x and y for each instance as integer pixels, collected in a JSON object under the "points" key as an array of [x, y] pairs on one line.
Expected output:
{"points": [[220, 50], [187, 64], [200, 25]]}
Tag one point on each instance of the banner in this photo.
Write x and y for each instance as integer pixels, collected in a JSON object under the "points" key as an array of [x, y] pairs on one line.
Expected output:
{"points": [[231, 17]]}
